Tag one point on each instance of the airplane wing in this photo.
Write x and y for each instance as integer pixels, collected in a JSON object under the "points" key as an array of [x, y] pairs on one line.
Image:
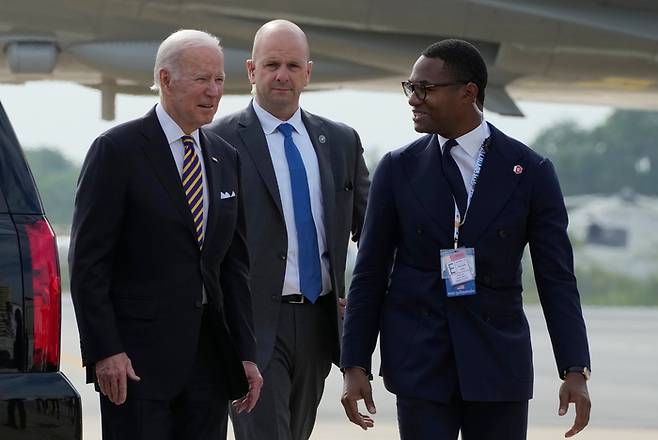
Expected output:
{"points": [[585, 51], [634, 18]]}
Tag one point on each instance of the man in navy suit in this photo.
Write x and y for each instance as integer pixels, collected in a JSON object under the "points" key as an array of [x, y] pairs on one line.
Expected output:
{"points": [[438, 273], [159, 262]]}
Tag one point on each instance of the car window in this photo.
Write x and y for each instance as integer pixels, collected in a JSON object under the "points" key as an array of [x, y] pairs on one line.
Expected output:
{"points": [[16, 182]]}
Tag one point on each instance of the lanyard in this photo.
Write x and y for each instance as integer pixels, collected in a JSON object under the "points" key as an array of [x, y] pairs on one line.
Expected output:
{"points": [[474, 179]]}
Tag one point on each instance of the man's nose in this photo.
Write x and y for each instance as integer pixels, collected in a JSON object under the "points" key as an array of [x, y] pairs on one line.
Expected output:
{"points": [[282, 74], [214, 88], [413, 100]]}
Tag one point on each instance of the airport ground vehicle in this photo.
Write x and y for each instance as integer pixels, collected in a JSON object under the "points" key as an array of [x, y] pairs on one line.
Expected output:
{"points": [[36, 399]]}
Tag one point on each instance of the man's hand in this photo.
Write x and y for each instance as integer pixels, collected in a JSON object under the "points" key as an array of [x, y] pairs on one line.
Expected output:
{"points": [[342, 303], [574, 390], [255, 381], [356, 386], [111, 374]]}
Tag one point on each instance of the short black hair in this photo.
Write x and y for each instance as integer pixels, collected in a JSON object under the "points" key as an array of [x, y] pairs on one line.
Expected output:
{"points": [[463, 60]]}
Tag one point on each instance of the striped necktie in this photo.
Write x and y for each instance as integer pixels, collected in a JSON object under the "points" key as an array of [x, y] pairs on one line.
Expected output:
{"points": [[193, 185]]}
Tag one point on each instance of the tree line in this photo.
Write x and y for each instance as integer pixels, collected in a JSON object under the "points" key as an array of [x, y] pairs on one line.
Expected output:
{"points": [[621, 153]]}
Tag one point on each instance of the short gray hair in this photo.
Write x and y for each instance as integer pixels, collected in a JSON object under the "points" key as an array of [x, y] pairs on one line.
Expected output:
{"points": [[174, 45]]}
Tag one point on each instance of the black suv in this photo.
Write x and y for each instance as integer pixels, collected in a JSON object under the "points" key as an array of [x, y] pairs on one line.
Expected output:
{"points": [[36, 400]]}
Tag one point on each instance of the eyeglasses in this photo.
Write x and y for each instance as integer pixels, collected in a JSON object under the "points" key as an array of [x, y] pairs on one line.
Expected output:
{"points": [[420, 89]]}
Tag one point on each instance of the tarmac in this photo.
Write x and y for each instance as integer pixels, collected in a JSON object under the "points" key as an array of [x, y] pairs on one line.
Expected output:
{"points": [[623, 388]]}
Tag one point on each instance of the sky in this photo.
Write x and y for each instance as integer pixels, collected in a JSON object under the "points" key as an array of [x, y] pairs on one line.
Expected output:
{"points": [[67, 116]]}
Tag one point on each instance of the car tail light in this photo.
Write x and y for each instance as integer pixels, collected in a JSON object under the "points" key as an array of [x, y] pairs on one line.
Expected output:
{"points": [[46, 289]]}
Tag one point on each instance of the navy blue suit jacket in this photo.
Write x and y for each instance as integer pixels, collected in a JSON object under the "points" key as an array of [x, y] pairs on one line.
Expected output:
{"points": [[431, 344]]}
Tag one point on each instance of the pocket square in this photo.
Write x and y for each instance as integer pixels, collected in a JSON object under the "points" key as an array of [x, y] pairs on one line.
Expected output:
{"points": [[226, 195]]}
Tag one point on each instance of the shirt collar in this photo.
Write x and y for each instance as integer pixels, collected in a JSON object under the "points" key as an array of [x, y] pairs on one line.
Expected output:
{"points": [[270, 123], [471, 141], [171, 129]]}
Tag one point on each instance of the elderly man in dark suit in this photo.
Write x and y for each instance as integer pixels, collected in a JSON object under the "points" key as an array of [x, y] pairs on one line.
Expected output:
{"points": [[159, 263], [438, 274], [305, 185]]}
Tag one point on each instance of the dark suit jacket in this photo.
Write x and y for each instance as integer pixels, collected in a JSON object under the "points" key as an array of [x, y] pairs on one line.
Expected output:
{"points": [[431, 343], [344, 180], [137, 271]]}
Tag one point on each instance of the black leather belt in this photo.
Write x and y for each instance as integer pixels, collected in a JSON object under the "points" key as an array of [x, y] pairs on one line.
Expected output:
{"points": [[298, 298]]}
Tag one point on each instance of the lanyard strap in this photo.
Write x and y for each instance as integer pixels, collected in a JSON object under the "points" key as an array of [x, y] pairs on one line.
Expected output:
{"points": [[474, 179]]}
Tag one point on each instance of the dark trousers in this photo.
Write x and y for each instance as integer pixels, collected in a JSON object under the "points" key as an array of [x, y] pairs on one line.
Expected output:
{"points": [[196, 413], [294, 377], [426, 420]]}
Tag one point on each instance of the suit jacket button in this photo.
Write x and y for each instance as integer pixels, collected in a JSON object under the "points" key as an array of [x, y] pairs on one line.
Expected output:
{"points": [[419, 230], [502, 233], [198, 303], [283, 256], [486, 279], [348, 187], [275, 298]]}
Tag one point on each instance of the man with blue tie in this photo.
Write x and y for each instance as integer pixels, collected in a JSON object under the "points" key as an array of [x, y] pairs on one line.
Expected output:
{"points": [[159, 264], [305, 185], [438, 273]]}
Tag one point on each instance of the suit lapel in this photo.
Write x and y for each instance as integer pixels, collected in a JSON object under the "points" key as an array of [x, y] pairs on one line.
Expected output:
{"points": [[213, 177], [425, 175], [255, 143], [495, 186], [322, 145], [157, 150]]}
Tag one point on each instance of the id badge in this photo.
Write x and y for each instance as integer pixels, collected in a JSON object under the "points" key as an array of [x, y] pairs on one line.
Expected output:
{"points": [[458, 271]]}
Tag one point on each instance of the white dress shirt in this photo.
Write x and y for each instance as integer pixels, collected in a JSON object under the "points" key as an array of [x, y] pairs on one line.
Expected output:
{"points": [[174, 134], [467, 151], [300, 137]]}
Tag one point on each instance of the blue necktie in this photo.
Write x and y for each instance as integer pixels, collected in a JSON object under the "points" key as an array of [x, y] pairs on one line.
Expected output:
{"points": [[310, 274], [454, 176]]}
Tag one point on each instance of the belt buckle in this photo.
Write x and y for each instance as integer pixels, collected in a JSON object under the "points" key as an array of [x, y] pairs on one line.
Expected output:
{"points": [[301, 300]]}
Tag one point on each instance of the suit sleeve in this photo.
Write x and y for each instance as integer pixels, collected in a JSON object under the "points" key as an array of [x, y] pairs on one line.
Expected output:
{"points": [[361, 186], [371, 272], [234, 278], [552, 259], [96, 226]]}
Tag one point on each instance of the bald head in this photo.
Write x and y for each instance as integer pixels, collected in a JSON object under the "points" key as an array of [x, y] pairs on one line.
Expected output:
{"points": [[276, 32], [280, 68]]}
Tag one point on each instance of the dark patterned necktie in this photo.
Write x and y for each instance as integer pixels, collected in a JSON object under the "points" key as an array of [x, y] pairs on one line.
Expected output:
{"points": [[193, 185], [310, 273], [454, 176]]}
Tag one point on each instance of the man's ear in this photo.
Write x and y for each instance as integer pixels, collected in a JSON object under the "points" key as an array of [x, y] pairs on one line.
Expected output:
{"points": [[309, 69], [165, 80], [471, 91], [250, 66]]}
